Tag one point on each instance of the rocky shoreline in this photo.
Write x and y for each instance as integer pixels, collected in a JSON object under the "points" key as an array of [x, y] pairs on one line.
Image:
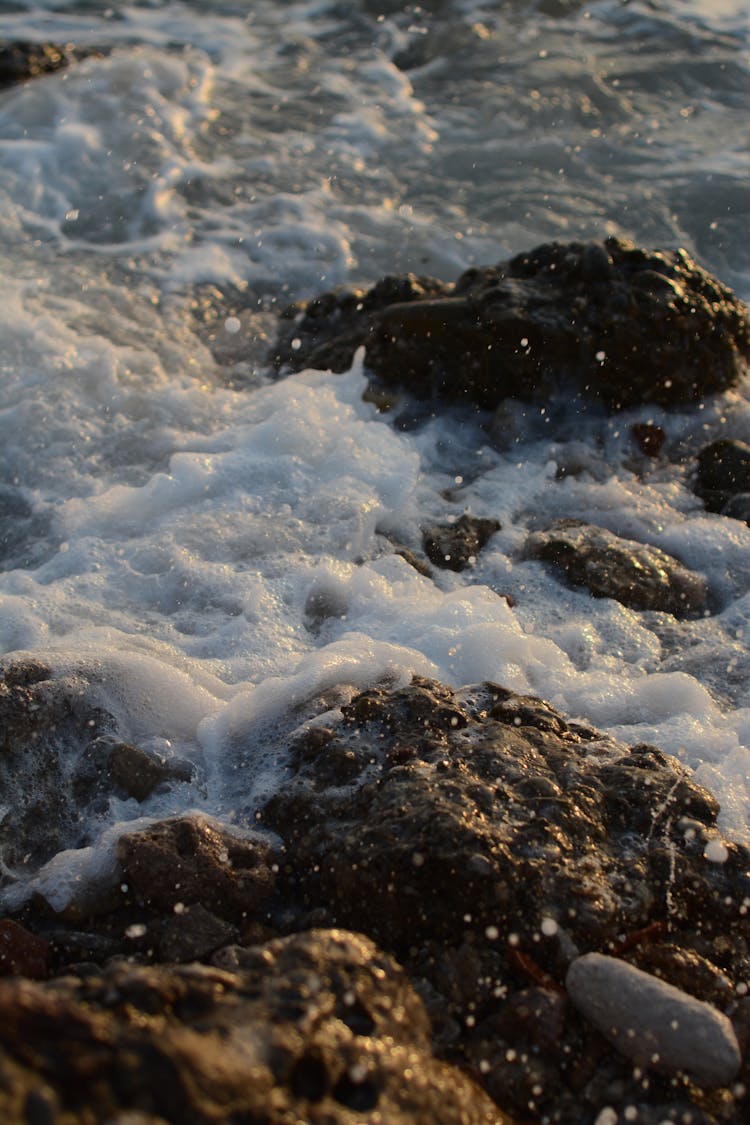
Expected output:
{"points": [[460, 906], [402, 939]]}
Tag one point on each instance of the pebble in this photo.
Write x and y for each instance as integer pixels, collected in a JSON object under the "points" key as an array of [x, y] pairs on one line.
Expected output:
{"points": [[652, 1022]]}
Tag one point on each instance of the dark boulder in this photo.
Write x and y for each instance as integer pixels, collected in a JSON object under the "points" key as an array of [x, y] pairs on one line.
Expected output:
{"points": [[610, 321], [487, 842], [723, 476], [636, 574], [321, 1027]]}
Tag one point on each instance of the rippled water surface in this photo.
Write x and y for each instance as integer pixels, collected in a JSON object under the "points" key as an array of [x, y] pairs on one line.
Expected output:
{"points": [[169, 516]]}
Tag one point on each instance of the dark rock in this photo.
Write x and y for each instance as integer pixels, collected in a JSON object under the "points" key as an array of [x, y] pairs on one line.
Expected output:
{"points": [[723, 473], [320, 1027], [190, 934], [649, 438], [139, 773], [486, 842], [635, 574], [613, 322], [23, 953], [456, 545], [51, 769], [489, 805], [191, 860], [20, 61]]}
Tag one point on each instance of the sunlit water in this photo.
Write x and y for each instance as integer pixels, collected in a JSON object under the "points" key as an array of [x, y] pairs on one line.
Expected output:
{"points": [[173, 520]]}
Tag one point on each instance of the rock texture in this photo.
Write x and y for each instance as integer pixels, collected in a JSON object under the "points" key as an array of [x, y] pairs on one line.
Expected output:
{"points": [[321, 1028], [636, 574], [476, 836], [60, 764], [610, 321], [722, 477], [456, 545], [486, 842]]}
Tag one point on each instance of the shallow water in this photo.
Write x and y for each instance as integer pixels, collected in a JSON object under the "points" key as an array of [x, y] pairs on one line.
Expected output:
{"points": [[208, 550]]}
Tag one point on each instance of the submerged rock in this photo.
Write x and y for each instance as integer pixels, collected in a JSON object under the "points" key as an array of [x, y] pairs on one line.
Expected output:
{"points": [[636, 574], [654, 1023], [321, 1027], [616, 323]]}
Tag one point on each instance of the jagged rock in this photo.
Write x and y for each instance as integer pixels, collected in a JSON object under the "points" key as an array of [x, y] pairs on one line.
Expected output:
{"points": [[487, 842], [613, 322], [723, 477], [138, 773], [654, 1023], [191, 859], [455, 545], [422, 807], [321, 1027], [636, 574], [52, 771]]}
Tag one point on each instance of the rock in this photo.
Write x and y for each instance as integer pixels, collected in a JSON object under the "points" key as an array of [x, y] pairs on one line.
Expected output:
{"points": [[321, 1027], [20, 61], [654, 1023], [723, 474], [648, 437], [139, 773], [52, 770], [421, 808], [607, 320], [484, 840], [22, 953], [189, 860], [456, 545], [190, 934], [637, 575]]}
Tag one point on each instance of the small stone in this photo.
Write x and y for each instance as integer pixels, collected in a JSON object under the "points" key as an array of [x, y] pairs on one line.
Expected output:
{"points": [[455, 545], [637, 575], [654, 1023]]}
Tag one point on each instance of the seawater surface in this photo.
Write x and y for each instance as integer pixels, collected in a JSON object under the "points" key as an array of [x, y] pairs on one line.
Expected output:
{"points": [[208, 550]]}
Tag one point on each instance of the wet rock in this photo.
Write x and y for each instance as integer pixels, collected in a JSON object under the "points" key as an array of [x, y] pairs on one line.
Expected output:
{"points": [[189, 860], [22, 953], [321, 1027], [52, 775], [20, 61], [456, 545], [139, 773], [654, 1023], [635, 574], [486, 842], [648, 437], [610, 321], [325, 333], [723, 475], [190, 934], [488, 806]]}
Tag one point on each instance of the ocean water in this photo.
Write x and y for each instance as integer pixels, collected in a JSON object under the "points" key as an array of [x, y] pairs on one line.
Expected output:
{"points": [[207, 551]]}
